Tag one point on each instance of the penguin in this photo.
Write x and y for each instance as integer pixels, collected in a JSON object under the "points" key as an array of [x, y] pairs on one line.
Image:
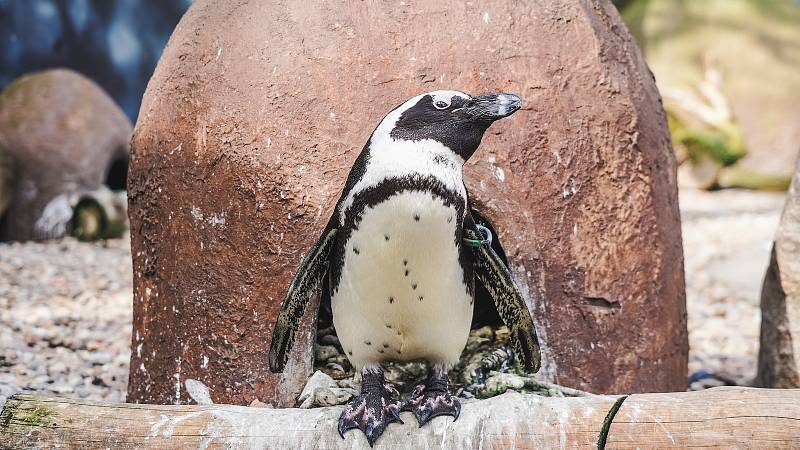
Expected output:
{"points": [[402, 252]]}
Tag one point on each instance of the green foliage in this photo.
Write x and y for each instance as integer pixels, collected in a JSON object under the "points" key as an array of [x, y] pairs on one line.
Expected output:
{"points": [[722, 143], [723, 146]]}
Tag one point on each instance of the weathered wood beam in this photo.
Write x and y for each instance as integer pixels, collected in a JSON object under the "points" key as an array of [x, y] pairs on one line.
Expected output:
{"points": [[720, 417]]}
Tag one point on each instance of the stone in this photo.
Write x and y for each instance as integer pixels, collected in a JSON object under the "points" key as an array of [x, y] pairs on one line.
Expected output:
{"points": [[198, 392], [316, 382], [330, 339], [331, 396], [257, 111], [63, 133], [325, 352], [256, 403], [779, 351]]}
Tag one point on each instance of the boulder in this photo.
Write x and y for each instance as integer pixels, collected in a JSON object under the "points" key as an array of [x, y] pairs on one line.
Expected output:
{"points": [[63, 133], [779, 352], [257, 110]]}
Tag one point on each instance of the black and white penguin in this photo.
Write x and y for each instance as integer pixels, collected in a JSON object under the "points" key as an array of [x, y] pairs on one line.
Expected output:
{"points": [[402, 253]]}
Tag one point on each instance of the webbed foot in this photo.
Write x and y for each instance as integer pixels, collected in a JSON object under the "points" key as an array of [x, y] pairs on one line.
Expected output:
{"points": [[433, 399], [373, 410]]}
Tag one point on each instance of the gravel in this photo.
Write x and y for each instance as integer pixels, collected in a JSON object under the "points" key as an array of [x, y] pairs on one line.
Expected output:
{"points": [[727, 236], [65, 318], [65, 306]]}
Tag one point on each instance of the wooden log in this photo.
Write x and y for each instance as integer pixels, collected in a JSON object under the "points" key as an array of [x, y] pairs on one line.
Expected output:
{"points": [[719, 417]]}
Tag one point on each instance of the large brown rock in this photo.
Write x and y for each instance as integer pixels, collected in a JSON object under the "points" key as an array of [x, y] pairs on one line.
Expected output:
{"points": [[62, 132], [257, 110], [779, 352]]}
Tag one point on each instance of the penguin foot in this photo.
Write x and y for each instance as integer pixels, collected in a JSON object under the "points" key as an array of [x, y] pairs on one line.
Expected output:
{"points": [[433, 399], [373, 410]]}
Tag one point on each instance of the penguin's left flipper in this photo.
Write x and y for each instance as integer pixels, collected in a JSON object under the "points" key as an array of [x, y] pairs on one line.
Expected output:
{"points": [[496, 277], [306, 283]]}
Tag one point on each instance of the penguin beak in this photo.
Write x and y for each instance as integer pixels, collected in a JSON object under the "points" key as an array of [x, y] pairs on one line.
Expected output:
{"points": [[493, 106]]}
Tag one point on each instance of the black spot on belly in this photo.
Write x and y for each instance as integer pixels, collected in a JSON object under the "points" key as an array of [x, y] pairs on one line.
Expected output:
{"points": [[380, 351], [416, 217], [388, 325], [386, 237], [420, 298], [350, 352], [441, 160], [406, 272], [356, 251], [391, 300], [405, 262], [449, 219], [385, 345], [398, 352], [414, 286], [368, 342]]}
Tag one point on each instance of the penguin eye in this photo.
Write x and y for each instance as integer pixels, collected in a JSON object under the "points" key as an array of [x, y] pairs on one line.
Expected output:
{"points": [[441, 104]]}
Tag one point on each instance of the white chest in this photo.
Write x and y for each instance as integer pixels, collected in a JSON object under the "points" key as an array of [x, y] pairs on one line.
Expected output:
{"points": [[396, 159], [402, 294]]}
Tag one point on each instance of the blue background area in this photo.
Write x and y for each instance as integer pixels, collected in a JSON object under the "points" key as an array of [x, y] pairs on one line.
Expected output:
{"points": [[114, 42]]}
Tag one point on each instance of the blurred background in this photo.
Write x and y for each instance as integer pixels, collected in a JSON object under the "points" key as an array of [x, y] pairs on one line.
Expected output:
{"points": [[116, 43], [727, 71]]}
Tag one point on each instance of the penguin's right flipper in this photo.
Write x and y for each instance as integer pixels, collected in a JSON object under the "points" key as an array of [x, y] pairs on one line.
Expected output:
{"points": [[305, 284], [496, 277]]}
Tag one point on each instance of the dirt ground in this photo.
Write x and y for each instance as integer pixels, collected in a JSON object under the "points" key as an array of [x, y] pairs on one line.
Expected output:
{"points": [[65, 306]]}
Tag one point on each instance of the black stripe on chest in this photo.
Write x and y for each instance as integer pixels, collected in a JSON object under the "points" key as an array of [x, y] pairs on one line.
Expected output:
{"points": [[373, 195]]}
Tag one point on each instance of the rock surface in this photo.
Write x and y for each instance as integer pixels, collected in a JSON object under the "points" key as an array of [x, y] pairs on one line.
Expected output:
{"points": [[62, 132], [258, 109], [779, 354]]}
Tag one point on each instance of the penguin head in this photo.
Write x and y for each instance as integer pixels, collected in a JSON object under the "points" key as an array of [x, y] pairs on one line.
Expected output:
{"points": [[452, 118]]}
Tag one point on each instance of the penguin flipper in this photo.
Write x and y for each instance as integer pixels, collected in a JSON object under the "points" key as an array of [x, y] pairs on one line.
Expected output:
{"points": [[496, 277], [305, 284]]}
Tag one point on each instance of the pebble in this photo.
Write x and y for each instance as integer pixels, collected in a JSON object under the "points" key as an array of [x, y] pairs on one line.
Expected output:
{"points": [[325, 352], [500, 383], [330, 339], [318, 380]]}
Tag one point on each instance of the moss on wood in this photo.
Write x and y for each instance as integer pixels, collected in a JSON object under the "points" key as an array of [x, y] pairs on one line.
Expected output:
{"points": [[22, 411]]}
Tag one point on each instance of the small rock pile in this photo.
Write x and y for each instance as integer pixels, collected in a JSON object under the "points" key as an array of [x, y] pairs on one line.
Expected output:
{"points": [[486, 369]]}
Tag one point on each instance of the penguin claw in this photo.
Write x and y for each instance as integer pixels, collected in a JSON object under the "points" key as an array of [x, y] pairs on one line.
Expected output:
{"points": [[371, 412], [427, 403]]}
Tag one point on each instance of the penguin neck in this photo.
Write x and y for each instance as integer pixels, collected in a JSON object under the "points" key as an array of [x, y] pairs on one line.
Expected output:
{"points": [[398, 159], [427, 156]]}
